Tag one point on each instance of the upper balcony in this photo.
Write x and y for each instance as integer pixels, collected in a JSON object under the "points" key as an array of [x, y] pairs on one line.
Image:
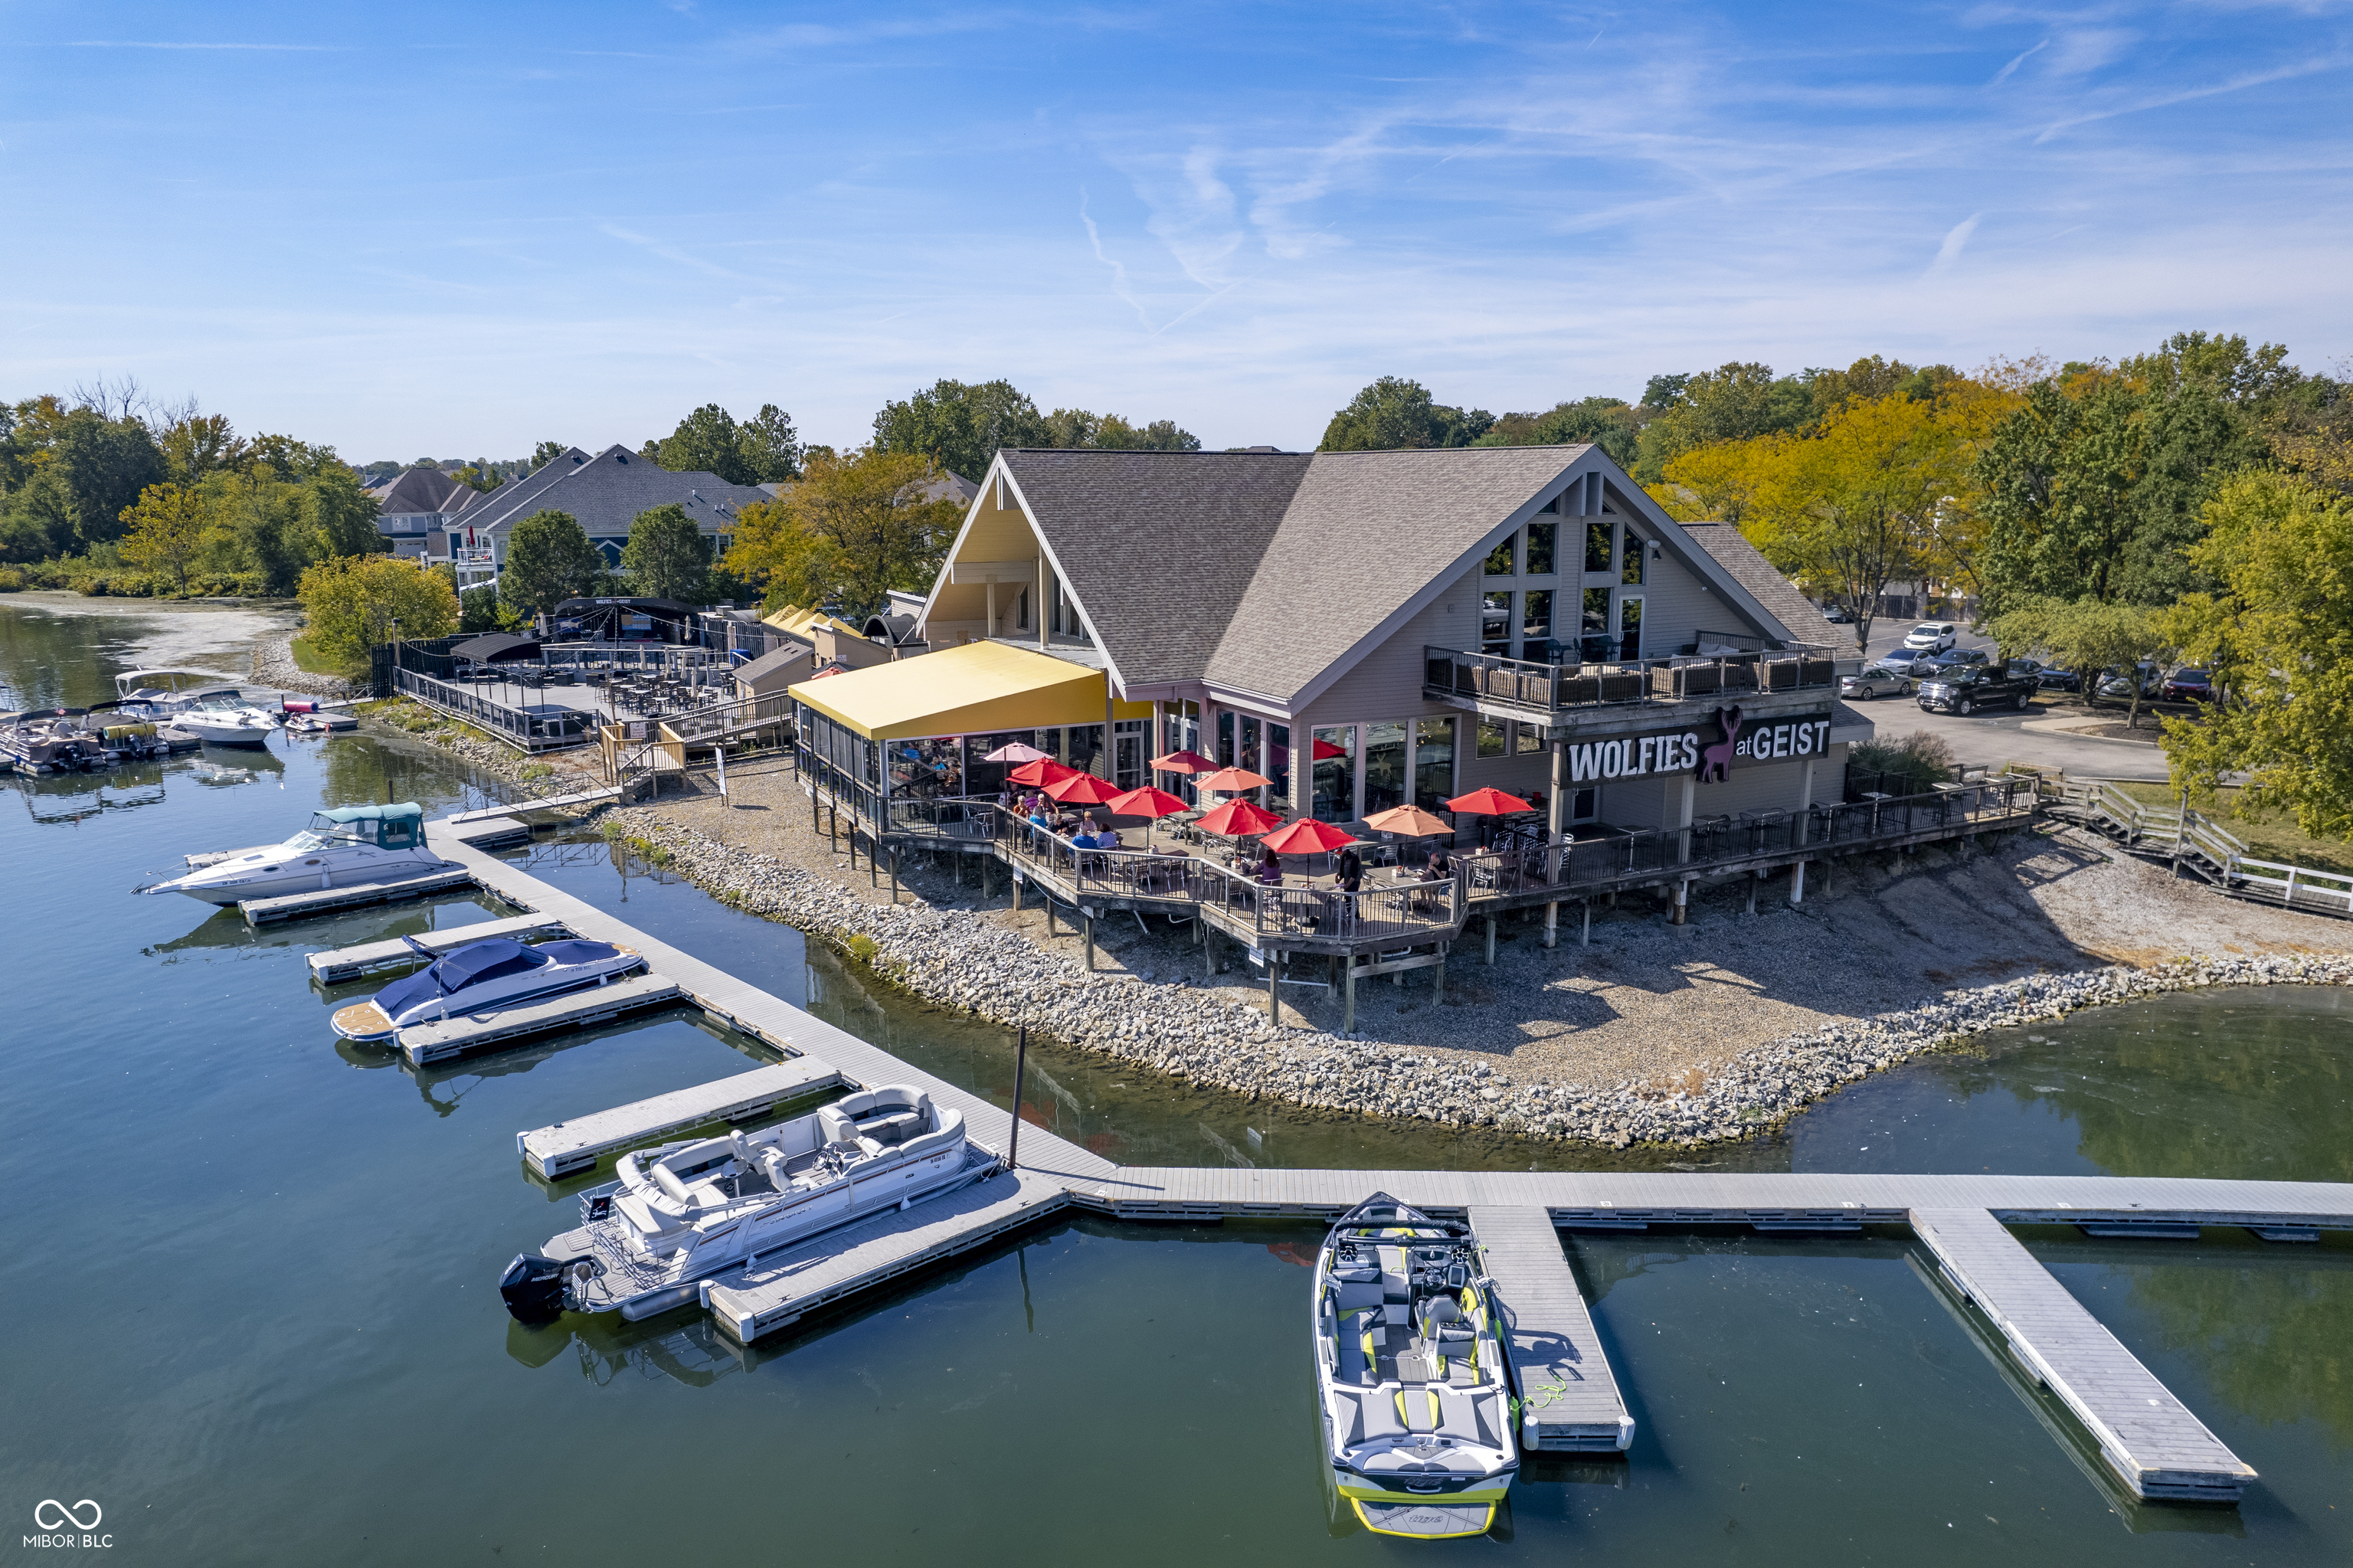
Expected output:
{"points": [[1528, 688]]}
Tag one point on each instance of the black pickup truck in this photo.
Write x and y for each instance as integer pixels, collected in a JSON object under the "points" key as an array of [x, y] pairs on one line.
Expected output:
{"points": [[1977, 688]]}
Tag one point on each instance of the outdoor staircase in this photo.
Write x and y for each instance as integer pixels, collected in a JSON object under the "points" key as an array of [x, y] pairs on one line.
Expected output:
{"points": [[2189, 839]]}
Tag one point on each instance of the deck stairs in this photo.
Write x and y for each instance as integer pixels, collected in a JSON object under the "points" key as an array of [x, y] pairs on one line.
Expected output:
{"points": [[2184, 836]]}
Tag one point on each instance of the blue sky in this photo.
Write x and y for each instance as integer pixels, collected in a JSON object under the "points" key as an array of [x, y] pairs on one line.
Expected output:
{"points": [[455, 231]]}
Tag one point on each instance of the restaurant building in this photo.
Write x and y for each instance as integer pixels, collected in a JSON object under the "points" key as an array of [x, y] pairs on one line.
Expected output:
{"points": [[1373, 628]]}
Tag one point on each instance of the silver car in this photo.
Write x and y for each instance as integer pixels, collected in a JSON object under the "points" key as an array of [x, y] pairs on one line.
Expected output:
{"points": [[1877, 681]]}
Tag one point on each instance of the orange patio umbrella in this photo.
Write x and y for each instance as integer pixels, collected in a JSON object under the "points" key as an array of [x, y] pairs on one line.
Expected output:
{"points": [[1082, 790], [1408, 822], [1149, 803], [1307, 836], [1238, 820], [1182, 762], [1045, 771], [1233, 780], [1488, 803]]}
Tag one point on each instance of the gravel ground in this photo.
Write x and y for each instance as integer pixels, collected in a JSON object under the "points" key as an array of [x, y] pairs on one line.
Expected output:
{"points": [[1654, 1032]]}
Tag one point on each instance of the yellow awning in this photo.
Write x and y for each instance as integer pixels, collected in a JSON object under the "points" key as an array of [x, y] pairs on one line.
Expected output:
{"points": [[981, 688]]}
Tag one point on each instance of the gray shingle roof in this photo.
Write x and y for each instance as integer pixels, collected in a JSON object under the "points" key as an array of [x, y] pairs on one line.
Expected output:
{"points": [[417, 490], [1158, 547], [1363, 533], [607, 491], [1800, 621]]}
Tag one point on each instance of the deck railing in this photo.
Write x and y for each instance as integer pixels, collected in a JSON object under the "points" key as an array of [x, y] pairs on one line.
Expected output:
{"points": [[1454, 674], [541, 730]]}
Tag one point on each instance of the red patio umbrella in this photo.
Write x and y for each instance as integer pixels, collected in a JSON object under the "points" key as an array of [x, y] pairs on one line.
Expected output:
{"points": [[1307, 836], [1082, 790], [1238, 820], [1147, 802], [1233, 780], [1488, 803], [1182, 762], [1044, 770]]}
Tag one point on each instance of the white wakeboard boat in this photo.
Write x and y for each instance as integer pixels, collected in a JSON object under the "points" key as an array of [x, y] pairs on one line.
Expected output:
{"points": [[1414, 1395], [482, 977], [341, 848], [684, 1212]]}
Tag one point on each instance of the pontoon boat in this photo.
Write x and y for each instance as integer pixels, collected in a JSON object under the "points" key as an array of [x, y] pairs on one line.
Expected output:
{"points": [[347, 845], [686, 1211], [483, 976], [1416, 1399]]}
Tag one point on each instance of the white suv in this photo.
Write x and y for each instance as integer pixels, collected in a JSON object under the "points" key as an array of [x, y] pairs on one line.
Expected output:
{"points": [[1930, 637]]}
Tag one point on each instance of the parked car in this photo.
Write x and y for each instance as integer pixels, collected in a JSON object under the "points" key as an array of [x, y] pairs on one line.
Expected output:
{"points": [[1874, 681], [2025, 669], [1837, 615], [2116, 684], [1930, 637], [2054, 680], [1972, 688], [2189, 684], [1905, 661], [1957, 658]]}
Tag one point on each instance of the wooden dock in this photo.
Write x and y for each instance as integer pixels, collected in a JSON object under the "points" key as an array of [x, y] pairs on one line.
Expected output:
{"points": [[566, 1147], [772, 1293], [2146, 1435], [328, 900], [340, 964], [1569, 1401], [495, 832], [464, 1035], [546, 803]]}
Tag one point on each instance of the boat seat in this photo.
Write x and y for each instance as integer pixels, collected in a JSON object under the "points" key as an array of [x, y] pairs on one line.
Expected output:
{"points": [[834, 1125], [893, 1129], [1378, 1417], [1352, 1363], [1362, 1275], [1421, 1409], [1351, 1296]]}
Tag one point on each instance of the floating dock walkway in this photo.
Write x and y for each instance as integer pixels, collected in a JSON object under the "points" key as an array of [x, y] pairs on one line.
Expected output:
{"points": [[421, 1045], [568, 1146], [349, 963], [328, 900], [2152, 1444], [1569, 1400]]}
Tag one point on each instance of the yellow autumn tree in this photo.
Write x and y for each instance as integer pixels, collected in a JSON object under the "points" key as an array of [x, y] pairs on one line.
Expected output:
{"points": [[355, 603], [165, 531], [854, 527]]}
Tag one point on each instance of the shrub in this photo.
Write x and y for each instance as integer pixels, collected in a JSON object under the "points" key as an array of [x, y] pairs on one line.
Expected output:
{"points": [[1912, 766], [863, 948]]}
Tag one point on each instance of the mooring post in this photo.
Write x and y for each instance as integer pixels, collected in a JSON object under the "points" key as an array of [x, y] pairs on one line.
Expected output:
{"points": [[1273, 984], [1797, 884], [1682, 901], [1021, 1066], [1552, 925], [1017, 890], [1208, 950], [1586, 939], [1348, 998], [895, 874], [1051, 932], [1491, 941], [1437, 978], [1091, 940], [872, 878]]}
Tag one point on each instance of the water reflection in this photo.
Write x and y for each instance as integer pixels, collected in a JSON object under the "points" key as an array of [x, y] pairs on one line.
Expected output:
{"points": [[606, 1346]]}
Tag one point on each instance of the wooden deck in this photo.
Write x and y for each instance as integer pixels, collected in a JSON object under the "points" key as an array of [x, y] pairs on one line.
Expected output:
{"points": [[1568, 1399]]}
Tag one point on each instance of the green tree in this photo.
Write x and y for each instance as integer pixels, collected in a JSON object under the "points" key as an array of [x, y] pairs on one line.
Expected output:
{"points": [[769, 446], [39, 520], [354, 602], [960, 426], [1076, 428], [201, 444], [342, 515], [549, 559], [854, 527], [164, 531], [2278, 635], [667, 555], [484, 609], [1393, 413], [547, 452], [1734, 402], [102, 465], [707, 442], [2086, 636], [1605, 422]]}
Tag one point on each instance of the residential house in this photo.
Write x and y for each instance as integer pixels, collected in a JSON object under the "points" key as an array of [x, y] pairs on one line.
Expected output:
{"points": [[604, 492], [414, 509]]}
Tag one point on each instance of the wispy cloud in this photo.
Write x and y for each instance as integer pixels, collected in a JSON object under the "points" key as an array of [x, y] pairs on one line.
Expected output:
{"points": [[1118, 272], [155, 44], [2005, 72], [1954, 239], [2190, 95]]}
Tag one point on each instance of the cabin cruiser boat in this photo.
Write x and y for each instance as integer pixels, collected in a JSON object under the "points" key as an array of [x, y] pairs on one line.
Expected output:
{"points": [[1415, 1398], [223, 717], [684, 1212], [341, 848], [483, 976]]}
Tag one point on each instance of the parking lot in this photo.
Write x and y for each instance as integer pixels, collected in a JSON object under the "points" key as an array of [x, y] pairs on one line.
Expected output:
{"points": [[1995, 738]]}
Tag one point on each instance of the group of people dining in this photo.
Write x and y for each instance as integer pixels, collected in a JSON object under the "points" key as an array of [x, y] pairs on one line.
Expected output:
{"points": [[1043, 815]]}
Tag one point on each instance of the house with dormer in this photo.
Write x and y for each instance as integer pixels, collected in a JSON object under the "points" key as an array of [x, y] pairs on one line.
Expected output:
{"points": [[605, 490]]}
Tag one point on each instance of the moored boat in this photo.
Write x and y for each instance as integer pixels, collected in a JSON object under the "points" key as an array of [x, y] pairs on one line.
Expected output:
{"points": [[342, 847], [482, 977], [684, 1212], [1413, 1393]]}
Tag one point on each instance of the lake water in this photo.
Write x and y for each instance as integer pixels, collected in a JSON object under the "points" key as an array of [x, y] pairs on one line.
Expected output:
{"points": [[254, 1312]]}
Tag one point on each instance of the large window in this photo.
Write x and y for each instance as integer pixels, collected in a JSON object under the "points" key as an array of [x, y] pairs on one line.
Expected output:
{"points": [[1629, 627], [1087, 748], [1494, 738], [1631, 571], [1495, 624], [1596, 546], [1531, 738], [1246, 750], [1385, 781], [1540, 547], [1128, 739], [1433, 763], [1595, 631], [1536, 623], [1226, 738], [1499, 560], [1278, 762], [1335, 789]]}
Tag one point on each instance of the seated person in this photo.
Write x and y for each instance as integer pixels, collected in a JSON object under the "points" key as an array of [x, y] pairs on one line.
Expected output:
{"points": [[1441, 864], [1084, 838], [1270, 867]]}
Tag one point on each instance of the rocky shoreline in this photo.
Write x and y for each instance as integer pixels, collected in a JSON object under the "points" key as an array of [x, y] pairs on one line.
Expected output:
{"points": [[273, 660], [958, 958]]}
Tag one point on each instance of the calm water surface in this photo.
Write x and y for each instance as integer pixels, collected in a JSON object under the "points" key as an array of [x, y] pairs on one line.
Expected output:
{"points": [[254, 1313]]}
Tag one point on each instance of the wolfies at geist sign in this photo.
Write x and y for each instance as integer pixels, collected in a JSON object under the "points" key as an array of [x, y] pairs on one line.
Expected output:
{"points": [[1642, 756]]}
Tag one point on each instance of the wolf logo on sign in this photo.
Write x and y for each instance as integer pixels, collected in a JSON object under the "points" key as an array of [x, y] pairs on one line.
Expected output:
{"points": [[1715, 761]]}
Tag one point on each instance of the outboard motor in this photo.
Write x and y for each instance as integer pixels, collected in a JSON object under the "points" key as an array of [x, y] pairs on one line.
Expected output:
{"points": [[532, 1288]]}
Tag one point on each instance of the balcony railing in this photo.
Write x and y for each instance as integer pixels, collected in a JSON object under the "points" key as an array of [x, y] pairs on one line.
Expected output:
{"points": [[1556, 688]]}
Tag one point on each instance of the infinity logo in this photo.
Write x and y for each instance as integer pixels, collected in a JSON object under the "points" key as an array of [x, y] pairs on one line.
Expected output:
{"points": [[65, 1516]]}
